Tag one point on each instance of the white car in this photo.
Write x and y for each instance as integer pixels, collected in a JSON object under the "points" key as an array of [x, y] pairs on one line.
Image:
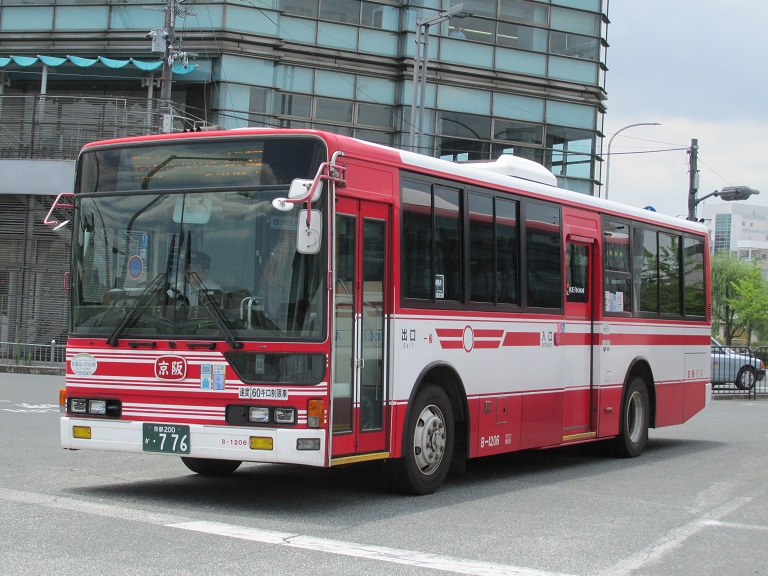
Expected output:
{"points": [[736, 365]]}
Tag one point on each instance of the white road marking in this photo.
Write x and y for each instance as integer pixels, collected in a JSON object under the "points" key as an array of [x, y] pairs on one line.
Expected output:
{"points": [[378, 553], [672, 539], [32, 408], [737, 525], [633, 563]]}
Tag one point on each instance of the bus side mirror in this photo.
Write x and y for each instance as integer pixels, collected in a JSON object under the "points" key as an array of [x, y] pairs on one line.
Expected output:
{"points": [[300, 189], [309, 232], [298, 193]]}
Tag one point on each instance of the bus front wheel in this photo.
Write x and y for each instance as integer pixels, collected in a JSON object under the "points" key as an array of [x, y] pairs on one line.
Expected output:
{"points": [[210, 466], [427, 443], [635, 417]]}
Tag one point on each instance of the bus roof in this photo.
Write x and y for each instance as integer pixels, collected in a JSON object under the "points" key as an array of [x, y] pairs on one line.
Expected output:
{"points": [[520, 174]]}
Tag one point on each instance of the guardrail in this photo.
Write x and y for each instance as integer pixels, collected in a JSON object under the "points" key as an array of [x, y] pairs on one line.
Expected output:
{"points": [[51, 355], [739, 371]]}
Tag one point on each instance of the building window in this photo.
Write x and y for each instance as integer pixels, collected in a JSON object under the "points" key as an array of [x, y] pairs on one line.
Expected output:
{"points": [[307, 8], [333, 110], [513, 131], [382, 17], [722, 233], [464, 136], [519, 11], [295, 105], [566, 44], [346, 11], [475, 29], [522, 37], [375, 115], [570, 151]]}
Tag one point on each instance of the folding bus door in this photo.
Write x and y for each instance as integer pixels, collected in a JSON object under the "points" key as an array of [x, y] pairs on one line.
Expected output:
{"points": [[359, 410], [577, 338]]}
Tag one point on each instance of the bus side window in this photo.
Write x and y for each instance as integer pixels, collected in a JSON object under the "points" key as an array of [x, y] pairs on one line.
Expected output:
{"points": [[543, 255], [617, 275], [577, 271]]}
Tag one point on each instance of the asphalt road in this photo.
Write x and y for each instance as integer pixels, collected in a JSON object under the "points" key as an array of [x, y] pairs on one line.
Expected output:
{"points": [[696, 502]]}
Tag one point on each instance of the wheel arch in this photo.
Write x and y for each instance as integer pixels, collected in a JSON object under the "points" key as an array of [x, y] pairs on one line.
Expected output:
{"points": [[641, 367], [447, 378]]}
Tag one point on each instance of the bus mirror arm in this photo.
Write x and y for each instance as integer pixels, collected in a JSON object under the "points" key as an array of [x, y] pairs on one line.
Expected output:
{"points": [[309, 191], [61, 204]]}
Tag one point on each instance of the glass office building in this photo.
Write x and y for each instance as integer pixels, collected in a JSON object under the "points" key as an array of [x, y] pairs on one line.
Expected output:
{"points": [[523, 77], [512, 77]]}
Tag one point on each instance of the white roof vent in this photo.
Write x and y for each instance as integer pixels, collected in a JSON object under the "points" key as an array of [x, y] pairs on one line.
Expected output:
{"points": [[510, 165]]}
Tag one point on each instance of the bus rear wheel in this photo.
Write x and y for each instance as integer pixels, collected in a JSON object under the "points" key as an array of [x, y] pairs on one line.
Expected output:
{"points": [[635, 417], [427, 443], [210, 467]]}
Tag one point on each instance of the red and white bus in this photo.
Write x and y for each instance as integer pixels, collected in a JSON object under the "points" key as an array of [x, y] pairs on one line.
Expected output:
{"points": [[296, 296]]}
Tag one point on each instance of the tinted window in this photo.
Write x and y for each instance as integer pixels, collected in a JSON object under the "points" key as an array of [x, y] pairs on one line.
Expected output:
{"points": [[693, 260], [543, 256]]}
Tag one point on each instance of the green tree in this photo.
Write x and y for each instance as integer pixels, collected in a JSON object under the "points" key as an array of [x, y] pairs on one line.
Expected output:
{"points": [[727, 271], [750, 303]]}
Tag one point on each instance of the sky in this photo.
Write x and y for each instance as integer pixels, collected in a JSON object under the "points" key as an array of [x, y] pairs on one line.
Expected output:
{"points": [[700, 69]]}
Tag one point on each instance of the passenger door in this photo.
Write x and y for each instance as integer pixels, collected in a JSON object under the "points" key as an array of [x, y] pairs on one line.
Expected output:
{"points": [[581, 290], [359, 390]]}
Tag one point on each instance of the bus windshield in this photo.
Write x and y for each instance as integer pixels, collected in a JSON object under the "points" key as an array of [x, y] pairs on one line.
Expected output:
{"points": [[214, 261]]}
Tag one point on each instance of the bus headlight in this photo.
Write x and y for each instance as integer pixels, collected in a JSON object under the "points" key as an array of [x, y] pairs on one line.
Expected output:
{"points": [[285, 415], [258, 414], [95, 407], [78, 405], [98, 407]]}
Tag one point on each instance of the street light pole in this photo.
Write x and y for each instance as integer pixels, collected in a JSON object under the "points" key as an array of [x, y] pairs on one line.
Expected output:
{"points": [[729, 194], [608, 164], [420, 62]]}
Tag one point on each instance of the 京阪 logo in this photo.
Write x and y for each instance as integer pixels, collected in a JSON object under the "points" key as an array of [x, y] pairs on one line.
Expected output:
{"points": [[171, 368]]}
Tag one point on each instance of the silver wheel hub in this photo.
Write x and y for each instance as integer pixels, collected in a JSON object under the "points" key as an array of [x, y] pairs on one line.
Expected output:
{"points": [[429, 439]]}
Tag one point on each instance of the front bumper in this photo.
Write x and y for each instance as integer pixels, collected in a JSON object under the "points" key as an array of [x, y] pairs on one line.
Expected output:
{"points": [[218, 442]]}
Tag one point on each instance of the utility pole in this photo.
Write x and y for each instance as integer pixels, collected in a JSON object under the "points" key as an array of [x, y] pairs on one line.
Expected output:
{"points": [[164, 40], [693, 180], [168, 60]]}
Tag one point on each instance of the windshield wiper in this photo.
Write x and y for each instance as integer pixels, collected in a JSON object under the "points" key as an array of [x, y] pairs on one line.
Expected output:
{"points": [[213, 309], [138, 305]]}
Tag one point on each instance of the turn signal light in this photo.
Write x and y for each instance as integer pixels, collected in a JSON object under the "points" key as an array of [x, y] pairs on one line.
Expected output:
{"points": [[83, 432], [261, 443], [315, 413]]}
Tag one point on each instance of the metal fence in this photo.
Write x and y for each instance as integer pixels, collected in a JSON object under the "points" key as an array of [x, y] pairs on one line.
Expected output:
{"points": [[53, 355], [56, 127], [739, 371]]}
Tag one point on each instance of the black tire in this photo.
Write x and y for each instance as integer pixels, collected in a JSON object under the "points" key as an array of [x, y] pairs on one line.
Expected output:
{"points": [[635, 418], [428, 441], [211, 467], [746, 378]]}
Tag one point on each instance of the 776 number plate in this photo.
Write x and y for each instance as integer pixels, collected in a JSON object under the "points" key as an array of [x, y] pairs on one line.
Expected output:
{"points": [[166, 438]]}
